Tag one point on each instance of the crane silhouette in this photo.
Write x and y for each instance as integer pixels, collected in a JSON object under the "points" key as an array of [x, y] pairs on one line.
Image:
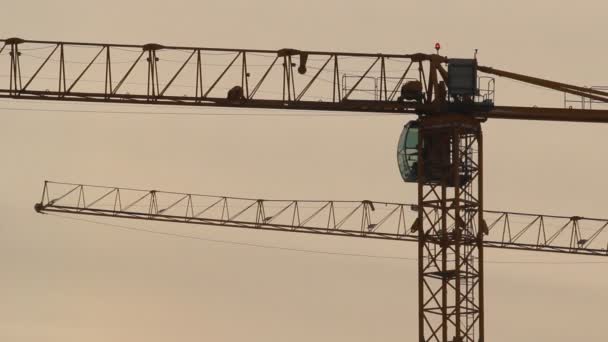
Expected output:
{"points": [[441, 151]]}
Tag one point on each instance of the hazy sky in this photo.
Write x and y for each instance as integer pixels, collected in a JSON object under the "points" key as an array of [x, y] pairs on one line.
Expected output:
{"points": [[64, 280]]}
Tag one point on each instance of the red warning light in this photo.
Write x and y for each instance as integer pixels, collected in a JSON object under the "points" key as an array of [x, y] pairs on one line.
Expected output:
{"points": [[437, 46]]}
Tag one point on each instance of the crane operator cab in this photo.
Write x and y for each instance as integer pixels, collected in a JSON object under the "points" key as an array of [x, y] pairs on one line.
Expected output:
{"points": [[407, 152], [436, 153]]}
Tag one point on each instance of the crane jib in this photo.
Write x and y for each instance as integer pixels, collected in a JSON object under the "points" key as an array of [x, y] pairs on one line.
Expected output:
{"points": [[441, 151], [364, 219], [284, 79]]}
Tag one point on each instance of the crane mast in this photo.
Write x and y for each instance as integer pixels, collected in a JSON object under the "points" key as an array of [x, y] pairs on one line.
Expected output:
{"points": [[450, 228], [445, 159]]}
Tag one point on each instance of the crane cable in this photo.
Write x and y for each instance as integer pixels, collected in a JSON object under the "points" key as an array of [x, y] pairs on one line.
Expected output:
{"points": [[202, 114]]}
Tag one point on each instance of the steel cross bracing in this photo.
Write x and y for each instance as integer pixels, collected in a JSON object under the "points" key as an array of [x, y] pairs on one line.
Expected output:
{"points": [[451, 230], [365, 219], [207, 76], [250, 78], [450, 225]]}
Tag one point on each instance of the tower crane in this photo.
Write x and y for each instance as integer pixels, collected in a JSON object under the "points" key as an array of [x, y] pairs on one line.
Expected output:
{"points": [[441, 151]]}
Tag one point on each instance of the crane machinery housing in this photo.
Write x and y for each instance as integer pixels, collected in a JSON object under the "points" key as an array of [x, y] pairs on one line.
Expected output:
{"points": [[441, 151]]}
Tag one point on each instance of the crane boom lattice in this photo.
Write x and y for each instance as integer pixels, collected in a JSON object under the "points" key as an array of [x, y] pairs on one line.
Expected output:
{"points": [[450, 226], [364, 219], [256, 78]]}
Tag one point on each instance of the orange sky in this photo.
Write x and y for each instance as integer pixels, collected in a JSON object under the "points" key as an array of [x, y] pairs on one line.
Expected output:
{"points": [[63, 280]]}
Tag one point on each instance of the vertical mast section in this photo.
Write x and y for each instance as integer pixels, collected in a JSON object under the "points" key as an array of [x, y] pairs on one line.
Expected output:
{"points": [[450, 241]]}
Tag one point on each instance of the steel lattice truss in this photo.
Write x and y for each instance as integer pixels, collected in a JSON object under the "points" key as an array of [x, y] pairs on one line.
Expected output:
{"points": [[448, 222], [451, 232], [198, 76], [253, 78], [366, 219]]}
